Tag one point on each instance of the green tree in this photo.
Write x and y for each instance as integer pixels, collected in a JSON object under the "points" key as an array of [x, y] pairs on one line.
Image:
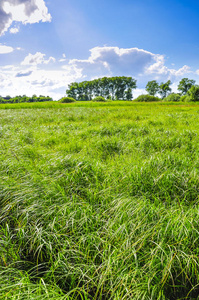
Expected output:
{"points": [[72, 90], [164, 89], [193, 93], [108, 87], [128, 94], [152, 87], [185, 84]]}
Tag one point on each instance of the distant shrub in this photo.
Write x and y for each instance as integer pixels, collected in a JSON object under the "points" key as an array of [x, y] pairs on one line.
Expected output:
{"points": [[173, 98], [147, 98], [99, 99], [67, 100]]}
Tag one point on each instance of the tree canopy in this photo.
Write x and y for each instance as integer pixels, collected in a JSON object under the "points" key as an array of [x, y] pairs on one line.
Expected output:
{"points": [[193, 93], [115, 88], [152, 87], [185, 84], [24, 98], [164, 89]]}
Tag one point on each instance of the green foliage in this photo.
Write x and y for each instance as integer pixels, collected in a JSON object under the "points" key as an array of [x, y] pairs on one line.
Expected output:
{"points": [[24, 99], [128, 94], [152, 87], [185, 84], [146, 98], [183, 98], [164, 89], [99, 99], [173, 98], [67, 100], [115, 88], [193, 94]]}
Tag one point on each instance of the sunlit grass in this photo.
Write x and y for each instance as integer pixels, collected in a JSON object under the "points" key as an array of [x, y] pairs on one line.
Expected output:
{"points": [[99, 201], [56, 104]]}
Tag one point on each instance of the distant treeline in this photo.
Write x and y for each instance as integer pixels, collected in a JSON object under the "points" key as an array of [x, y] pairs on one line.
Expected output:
{"points": [[24, 98], [118, 88], [113, 88]]}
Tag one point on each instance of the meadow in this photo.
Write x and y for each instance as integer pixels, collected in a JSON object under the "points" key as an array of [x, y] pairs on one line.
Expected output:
{"points": [[99, 201]]}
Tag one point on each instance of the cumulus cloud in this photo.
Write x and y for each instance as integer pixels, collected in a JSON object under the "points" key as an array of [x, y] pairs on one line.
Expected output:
{"points": [[37, 59], [25, 11], [159, 68], [182, 71], [14, 30], [114, 61], [5, 49]]}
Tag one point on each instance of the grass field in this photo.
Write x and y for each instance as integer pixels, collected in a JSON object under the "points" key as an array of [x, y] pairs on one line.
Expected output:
{"points": [[99, 201]]}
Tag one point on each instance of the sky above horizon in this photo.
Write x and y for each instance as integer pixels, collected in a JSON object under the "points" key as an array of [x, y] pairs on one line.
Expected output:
{"points": [[45, 45]]}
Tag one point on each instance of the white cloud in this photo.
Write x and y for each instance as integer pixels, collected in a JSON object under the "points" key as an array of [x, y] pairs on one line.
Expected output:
{"points": [[25, 11], [139, 63], [37, 59], [137, 92], [181, 72], [51, 59], [159, 68], [14, 30], [115, 61], [197, 72], [62, 60], [5, 49]]}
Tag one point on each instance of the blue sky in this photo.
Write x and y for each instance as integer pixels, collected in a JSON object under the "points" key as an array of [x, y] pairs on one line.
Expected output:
{"points": [[46, 44]]}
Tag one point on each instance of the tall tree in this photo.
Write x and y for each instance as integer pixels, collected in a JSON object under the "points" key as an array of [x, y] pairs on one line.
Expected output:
{"points": [[152, 87], [185, 84], [164, 89]]}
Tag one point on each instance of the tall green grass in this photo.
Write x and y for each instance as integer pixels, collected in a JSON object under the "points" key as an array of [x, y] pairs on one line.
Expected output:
{"points": [[99, 201], [56, 104]]}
